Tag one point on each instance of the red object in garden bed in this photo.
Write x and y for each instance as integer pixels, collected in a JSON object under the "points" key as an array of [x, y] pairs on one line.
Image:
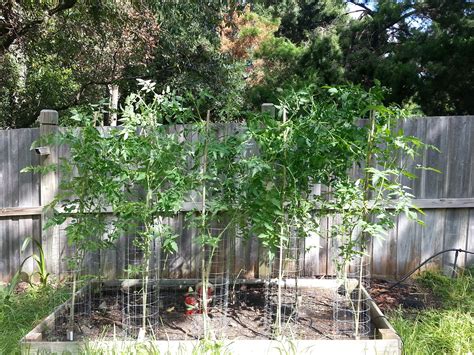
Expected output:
{"points": [[190, 302], [193, 301]]}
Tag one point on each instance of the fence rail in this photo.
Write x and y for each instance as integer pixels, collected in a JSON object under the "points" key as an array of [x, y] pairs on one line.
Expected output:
{"points": [[446, 198]]}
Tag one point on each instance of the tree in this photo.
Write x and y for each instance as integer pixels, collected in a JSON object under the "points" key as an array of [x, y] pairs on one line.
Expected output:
{"points": [[77, 56], [303, 17], [20, 20], [95, 51], [419, 49]]}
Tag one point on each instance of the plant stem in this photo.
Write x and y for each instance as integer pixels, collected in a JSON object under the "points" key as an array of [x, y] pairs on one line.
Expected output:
{"points": [[145, 286], [146, 255], [282, 233], [205, 269], [365, 216], [73, 304], [359, 299]]}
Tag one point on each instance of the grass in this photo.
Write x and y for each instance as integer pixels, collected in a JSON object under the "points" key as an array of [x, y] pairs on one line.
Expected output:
{"points": [[19, 313], [448, 329]]}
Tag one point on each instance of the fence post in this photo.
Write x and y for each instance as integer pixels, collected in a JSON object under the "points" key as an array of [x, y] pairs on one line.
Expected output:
{"points": [[48, 120]]}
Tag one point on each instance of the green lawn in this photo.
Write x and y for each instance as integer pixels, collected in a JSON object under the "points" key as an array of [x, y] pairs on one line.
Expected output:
{"points": [[448, 329], [20, 313]]}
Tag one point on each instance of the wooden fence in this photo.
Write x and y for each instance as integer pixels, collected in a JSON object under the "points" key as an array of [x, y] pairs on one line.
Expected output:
{"points": [[446, 198]]}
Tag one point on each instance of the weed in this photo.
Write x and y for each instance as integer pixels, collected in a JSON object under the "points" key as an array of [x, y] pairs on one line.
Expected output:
{"points": [[39, 258], [21, 312], [446, 330]]}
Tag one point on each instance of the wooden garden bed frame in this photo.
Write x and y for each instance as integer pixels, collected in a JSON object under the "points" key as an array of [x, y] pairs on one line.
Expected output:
{"points": [[386, 339]]}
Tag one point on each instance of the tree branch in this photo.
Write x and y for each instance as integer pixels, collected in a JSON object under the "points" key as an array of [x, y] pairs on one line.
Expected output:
{"points": [[7, 29], [367, 9], [62, 6]]}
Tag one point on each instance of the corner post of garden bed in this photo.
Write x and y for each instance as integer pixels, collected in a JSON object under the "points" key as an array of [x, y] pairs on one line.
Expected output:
{"points": [[49, 156]]}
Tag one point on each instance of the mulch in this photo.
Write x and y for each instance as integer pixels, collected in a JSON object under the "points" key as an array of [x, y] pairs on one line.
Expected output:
{"points": [[409, 296]]}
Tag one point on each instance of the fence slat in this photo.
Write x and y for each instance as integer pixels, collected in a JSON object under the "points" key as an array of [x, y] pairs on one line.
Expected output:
{"points": [[459, 169], [408, 245], [432, 236], [455, 234]]}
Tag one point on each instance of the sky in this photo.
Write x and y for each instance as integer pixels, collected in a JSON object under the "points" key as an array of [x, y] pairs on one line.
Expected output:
{"points": [[356, 11]]}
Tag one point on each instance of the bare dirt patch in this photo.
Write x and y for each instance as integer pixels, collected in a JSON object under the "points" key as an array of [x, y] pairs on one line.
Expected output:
{"points": [[247, 317]]}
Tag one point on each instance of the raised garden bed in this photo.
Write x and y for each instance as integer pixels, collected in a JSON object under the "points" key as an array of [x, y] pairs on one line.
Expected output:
{"points": [[245, 328]]}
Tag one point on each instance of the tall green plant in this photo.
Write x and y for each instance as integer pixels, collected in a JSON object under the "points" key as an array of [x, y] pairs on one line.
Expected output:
{"points": [[83, 194], [153, 160], [368, 204], [216, 155], [318, 137], [138, 171], [314, 139]]}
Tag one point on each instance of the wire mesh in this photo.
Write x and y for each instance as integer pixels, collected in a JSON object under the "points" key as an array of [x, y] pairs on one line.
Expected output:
{"points": [[141, 290], [210, 314], [351, 305], [79, 269], [281, 302]]}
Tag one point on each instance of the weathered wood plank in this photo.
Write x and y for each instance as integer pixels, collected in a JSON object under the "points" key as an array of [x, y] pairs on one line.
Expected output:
{"points": [[455, 237], [35, 161], [437, 136], [459, 169], [408, 245], [20, 211], [383, 262], [108, 259], [410, 129], [13, 171], [195, 252], [420, 160], [14, 246], [444, 203], [439, 203], [469, 260], [432, 237], [25, 195], [25, 228], [239, 265], [4, 148], [422, 132], [324, 247], [36, 233], [311, 256], [312, 242], [332, 246], [49, 187], [185, 246], [470, 155], [4, 267], [253, 257]]}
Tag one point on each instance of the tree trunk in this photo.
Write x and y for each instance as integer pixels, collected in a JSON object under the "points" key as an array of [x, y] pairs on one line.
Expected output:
{"points": [[114, 95]]}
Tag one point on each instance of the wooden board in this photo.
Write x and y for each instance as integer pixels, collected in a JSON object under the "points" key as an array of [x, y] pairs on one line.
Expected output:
{"points": [[437, 136], [383, 251], [458, 165], [455, 235], [408, 246], [432, 236]]}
